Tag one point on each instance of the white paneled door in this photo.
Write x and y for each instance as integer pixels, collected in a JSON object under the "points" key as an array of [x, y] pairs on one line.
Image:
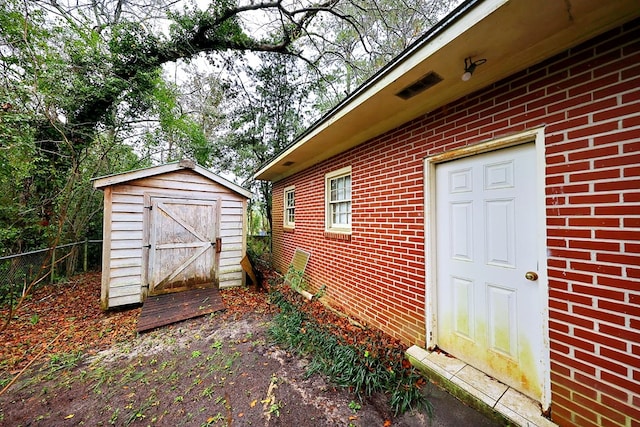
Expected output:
{"points": [[489, 305]]}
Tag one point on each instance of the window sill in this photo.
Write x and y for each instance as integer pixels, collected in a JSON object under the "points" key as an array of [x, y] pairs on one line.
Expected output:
{"points": [[289, 228], [338, 235]]}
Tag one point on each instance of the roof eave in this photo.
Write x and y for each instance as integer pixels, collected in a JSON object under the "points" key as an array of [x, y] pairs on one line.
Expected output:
{"points": [[528, 34]]}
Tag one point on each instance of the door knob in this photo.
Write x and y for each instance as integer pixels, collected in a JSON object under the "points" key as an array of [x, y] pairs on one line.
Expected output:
{"points": [[531, 275]]}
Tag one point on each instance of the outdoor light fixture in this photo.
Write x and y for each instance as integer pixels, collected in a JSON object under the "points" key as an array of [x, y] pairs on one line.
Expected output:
{"points": [[470, 67]]}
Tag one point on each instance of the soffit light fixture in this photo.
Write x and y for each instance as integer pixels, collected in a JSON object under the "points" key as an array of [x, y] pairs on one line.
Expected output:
{"points": [[470, 66]]}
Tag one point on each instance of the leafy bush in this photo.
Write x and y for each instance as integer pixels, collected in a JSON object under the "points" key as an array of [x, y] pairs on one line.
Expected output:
{"points": [[296, 279], [353, 366], [259, 250]]}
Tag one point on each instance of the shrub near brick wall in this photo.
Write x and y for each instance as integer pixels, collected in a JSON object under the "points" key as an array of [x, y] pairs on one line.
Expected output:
{"points": [[588, 99]]}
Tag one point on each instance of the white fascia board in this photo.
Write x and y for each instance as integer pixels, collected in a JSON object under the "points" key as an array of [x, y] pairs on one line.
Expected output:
{"points": [[225, 183], [106, 181]]}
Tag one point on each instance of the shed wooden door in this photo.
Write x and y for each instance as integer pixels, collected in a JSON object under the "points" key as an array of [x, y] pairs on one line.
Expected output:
{"points": [[182, 244], [489, 305]]}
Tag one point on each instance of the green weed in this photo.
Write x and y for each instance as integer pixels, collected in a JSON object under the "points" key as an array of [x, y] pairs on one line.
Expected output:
{"points": [[230, 359], [114, 417], [296, 279], [274, 408], [4, 382], [207, 392], [213, 420], [64, 361], [138, 414]]}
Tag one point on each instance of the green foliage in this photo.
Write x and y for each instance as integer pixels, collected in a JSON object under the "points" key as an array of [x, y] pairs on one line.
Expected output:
{"points": [[206, 27], [348, 366], [258, 246], [263, 119], [295, 279], [274, 408], [34, 319], [64, 361], [54, 146], [178, 134], [259, 254]]}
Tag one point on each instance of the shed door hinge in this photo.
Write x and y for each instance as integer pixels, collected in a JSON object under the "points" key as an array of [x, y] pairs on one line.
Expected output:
{"points": [[149, 207]]}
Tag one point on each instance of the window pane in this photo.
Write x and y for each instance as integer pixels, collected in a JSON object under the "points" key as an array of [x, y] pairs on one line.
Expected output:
{"points": [[339, 202], [290, 199], [341, 213], [340, 189], [289, 207]]}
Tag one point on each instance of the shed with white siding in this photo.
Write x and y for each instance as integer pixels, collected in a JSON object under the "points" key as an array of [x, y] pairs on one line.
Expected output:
{"points": [[170, 228]]}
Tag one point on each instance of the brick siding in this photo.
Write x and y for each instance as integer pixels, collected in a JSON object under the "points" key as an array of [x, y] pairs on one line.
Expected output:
{"points": [[588, 99]]}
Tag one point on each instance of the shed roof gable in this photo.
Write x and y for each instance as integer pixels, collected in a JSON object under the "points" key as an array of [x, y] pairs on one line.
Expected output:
{"points": [[106, 181]]}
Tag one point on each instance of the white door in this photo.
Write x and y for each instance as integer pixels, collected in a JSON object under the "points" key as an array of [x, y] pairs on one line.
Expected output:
{"points": [[489, 308], [182, 244]]}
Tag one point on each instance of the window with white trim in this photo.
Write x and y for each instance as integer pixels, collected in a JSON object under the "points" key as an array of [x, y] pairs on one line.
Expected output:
{"points": [[338, 200], [290, 207]]}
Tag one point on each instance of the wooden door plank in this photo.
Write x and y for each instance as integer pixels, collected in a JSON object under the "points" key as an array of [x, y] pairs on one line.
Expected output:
{"points": [[180, 268], [162, 310], [183, 223]]}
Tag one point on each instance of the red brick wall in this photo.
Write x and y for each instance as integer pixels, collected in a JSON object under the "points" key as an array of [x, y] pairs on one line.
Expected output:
{"points": [[588, 98]]}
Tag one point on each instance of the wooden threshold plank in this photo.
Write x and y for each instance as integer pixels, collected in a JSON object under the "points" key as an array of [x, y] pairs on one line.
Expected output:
{"points": [[162, 310]]}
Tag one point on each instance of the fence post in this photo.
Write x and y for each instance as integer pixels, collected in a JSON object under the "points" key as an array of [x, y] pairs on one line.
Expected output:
{"points": [[86, 249], [53, 265]]}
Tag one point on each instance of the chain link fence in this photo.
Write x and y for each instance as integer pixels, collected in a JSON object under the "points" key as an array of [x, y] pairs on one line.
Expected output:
{"points": [[19, 271]]}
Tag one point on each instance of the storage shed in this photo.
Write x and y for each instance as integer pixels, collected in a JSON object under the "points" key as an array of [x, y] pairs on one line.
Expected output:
{"points": [[170, 228]]}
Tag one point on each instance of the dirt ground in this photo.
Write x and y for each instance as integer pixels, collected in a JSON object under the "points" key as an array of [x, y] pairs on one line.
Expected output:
{"points": [[219, 369]]}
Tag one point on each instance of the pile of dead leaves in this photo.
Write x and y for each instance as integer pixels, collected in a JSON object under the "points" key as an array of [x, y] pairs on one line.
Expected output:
{"points": [[66, 318], [240, 301], [63, 318]]}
